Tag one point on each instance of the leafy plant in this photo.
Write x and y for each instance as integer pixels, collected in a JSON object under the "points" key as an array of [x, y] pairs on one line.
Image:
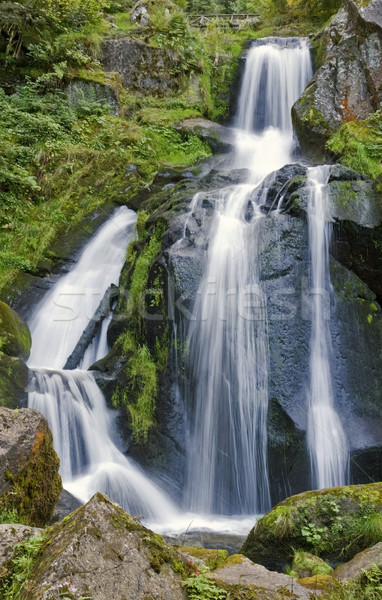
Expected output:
{"points": [[199, 587], [26, 553]]}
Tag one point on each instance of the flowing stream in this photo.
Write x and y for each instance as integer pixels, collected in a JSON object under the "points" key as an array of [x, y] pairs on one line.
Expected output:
{"points": [[81, 424], [228, 342], [328, 447], [228, 357]]}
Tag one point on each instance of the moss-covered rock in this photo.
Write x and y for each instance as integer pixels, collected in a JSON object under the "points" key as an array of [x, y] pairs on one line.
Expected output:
{"points": [[99, 551], [13, 381], [333, 524], [306, 564], [347, 86], [15, 338], [29, 479]]}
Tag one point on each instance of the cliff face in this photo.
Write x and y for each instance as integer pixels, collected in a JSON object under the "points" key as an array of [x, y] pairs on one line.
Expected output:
{"points": [[348, 84]]}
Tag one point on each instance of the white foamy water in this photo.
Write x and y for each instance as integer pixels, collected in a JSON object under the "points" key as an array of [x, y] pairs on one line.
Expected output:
{"points": [[228, 359], [81, 424], [328, 446]]}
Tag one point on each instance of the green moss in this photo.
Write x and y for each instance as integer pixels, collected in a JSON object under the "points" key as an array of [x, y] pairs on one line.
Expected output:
{"points": [[212, 559], [358, 145], [15, 338], [34, 491], [333, 524]]}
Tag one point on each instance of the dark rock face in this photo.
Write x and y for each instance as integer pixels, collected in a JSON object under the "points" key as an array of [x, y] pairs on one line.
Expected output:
{"points": [[141, 68], [355, 317], [101, 552], [29, 479], [348, 85], [14, 349]]}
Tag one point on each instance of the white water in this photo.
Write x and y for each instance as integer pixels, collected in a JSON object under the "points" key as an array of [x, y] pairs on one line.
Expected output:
{"points": [[228, 355], [328, 447], [81, 424]]}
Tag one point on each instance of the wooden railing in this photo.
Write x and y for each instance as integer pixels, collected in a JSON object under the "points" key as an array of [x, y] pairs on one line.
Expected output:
{"points": [[234, 20]]}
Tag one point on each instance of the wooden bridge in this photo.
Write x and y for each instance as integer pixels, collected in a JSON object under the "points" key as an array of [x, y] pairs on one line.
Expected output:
{"points": [[235, 21]]}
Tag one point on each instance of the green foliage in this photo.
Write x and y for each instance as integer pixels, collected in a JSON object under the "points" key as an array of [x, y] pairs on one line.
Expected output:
{"points": [[358, 145], [199, 587], [368, 588], [26, 553], [9, 515]]}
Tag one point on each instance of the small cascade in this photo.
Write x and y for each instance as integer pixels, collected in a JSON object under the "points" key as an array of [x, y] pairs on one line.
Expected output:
{"points": [[328, 447], [81, 424], [228, 341]]}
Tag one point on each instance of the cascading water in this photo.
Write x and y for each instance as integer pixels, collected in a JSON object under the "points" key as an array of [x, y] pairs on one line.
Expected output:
{"points": [[328, 447], [228, 343], [81, 424]]}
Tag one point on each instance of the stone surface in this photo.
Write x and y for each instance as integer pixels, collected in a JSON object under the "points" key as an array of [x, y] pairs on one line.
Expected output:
{"points": [[13, 381], [10, 535], [144, 69], [29, 479], [325, 523], [240, 571], [220, 138], [105, 554], [348, 85], [354, 569]]}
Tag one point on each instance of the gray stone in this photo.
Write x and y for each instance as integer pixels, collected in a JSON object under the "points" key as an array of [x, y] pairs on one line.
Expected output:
{"points": [[10, 535], [266, 584], [104, 553], [220, 138], [144, 69], [348, 85], [29, 479], [363, 561]]}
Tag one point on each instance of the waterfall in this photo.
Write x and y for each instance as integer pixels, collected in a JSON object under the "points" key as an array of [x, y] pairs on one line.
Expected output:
{"points": [[228, 343], [328, 447], [81, 424]]}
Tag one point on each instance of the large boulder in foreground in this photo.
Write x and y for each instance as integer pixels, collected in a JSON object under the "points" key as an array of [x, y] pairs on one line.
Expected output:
{"points": [[29, 478], [348, 85], [102, 553], [334, 524]]}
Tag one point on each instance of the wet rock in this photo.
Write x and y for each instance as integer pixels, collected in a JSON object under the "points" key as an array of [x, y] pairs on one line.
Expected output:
{"points": [[325, 523], [10, 535], [29, 479], [220, 138], [102, 552], [348, 85], [363, 561]]}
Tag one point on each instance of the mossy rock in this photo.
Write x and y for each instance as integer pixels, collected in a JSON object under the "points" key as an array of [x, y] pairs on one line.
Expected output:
{"points": [[325, 586], [29, 478], [333, 524], [15, 338], [13, 380], [306, 564], [205, 557]]}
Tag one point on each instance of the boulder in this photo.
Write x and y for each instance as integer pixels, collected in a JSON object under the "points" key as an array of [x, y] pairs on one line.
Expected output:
{"points": [[239, 573], [13, 381], [363, 561], [102, 552], [331, 524], [29, 479], [105, 94], [348, 85], [10, 535], [220, 138]]}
